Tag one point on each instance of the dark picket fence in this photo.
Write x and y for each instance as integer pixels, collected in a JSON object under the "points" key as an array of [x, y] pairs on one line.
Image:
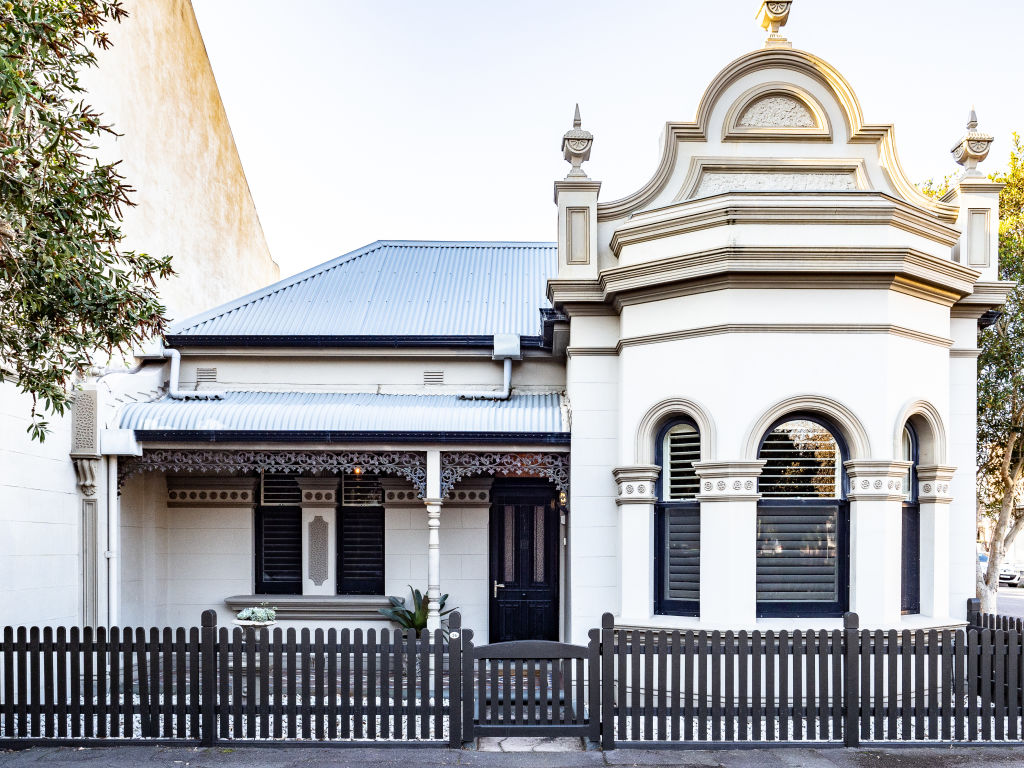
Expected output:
{"points": [[209, 684]]}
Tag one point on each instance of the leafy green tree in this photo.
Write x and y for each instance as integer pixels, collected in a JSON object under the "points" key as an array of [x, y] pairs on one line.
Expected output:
{"points": [[68, 293], [1001, 389]]}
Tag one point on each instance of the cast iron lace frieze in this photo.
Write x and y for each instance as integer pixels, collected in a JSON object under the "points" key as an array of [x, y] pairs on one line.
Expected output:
{"points": [[410, 465], [455, 466]]}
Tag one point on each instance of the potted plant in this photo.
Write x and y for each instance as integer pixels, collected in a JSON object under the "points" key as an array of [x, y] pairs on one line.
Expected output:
{"points": [[262, 615], [415, 618]]}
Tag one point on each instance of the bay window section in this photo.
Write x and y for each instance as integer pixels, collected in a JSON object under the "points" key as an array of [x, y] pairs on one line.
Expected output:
{"points": [[802, 522]]}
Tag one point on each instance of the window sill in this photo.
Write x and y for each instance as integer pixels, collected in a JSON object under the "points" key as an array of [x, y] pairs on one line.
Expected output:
{"points": [[316, 607]]}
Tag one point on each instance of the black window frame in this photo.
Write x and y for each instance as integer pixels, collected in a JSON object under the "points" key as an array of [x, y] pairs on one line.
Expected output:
{"points": [[800, 609], [665, 606], [910, 546]]}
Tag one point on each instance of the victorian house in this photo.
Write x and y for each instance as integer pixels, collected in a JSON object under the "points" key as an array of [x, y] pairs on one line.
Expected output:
{"points": [[743, 396]]}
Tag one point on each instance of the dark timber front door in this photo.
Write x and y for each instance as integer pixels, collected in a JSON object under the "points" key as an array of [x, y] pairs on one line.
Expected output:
{"points": [[524, 562]]}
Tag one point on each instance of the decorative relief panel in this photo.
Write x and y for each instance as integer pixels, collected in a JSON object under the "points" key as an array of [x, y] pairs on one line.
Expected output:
{"points": [[317, 565], [777, 111], [719, 182], [410, 465], [84, 424], [318, 491], [211, 491], [877, 480], [457, 465], [934, 484], [728, 481], [636, 484]]}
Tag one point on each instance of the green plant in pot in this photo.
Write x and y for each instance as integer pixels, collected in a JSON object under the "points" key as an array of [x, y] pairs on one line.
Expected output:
{"points": [[416, 617]]}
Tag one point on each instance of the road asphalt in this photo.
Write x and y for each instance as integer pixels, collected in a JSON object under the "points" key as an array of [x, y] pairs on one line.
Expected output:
{"points": [[431, 757]]}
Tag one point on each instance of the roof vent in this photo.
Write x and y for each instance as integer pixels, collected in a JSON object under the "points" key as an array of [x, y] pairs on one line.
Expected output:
{"points": [[433, 377], [206, 375]]}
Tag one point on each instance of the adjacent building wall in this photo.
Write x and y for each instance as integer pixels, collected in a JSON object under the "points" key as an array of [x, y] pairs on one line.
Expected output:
{"points": [[157, 88]]}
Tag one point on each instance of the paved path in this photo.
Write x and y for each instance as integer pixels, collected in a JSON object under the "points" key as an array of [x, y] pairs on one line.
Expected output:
{"points": [[405, 757]]}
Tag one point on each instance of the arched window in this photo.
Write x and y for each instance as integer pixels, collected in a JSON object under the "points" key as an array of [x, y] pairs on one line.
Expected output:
{"points": [[911, 553], [802, 521], [677, 521]]}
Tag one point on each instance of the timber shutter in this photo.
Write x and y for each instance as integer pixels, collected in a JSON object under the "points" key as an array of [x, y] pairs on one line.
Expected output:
{"points": [[361, 551], [797, 553], [279, 550], [677, 532], [361, 536], [682, 536]]}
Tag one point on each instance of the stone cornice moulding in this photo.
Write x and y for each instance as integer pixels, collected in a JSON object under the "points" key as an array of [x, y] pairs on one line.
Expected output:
{"points": [[816, 281], [729, 480], [840, 328], [576, 185], [987, 294], [933, 483], [969, 353], [916, 271], [666, 410], [858, 131], [876, 479], [636, 484], [820, 131], [850, 427], [780, 208]]}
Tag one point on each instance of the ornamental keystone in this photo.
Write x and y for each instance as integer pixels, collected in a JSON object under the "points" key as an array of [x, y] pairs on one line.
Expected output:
{"points": [[576, 144]]}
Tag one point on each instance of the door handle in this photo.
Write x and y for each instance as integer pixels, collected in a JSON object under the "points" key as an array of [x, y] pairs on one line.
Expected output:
{"points": [[497, 586]]}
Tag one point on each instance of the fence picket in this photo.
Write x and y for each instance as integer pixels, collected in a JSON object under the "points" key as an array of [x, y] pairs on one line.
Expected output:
{"points": [[178, 702], [999, 697], [342, 647], [770, 687], [755, 683], [985, 683], [783, 680], [662, 685], [702, 685], [372, 684], [48, 682], [972, 685], [730, 686], [277, 695], [127, 670], [906, 670], [114, 707], [1012, 683], [743, 685], [319, 693], [933, 679], [648, 692], [716, 685], [438, 699], [424, 694], [919, 684], [305, 692], [892, 692], [385, 683], [796, 709], [142, 670]]}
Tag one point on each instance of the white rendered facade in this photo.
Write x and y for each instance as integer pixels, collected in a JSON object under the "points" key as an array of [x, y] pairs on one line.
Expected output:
{"points": [[777, 266]]}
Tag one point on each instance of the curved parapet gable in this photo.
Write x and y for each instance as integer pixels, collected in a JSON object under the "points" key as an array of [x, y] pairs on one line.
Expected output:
{"points": [[814, 104]]}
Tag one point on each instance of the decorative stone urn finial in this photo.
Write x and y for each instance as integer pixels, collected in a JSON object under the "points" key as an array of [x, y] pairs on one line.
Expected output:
{"points": [[773, 15], [973, 147], [576, 146]]}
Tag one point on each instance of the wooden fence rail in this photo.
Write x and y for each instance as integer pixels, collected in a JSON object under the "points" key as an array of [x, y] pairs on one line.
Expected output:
{"points": [[206, 684]]}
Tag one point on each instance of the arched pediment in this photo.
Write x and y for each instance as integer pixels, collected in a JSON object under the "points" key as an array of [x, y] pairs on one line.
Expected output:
{"points": [[779, 110], [776, 112]]}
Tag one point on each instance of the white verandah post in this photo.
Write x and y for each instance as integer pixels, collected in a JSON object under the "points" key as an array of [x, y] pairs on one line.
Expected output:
{"points": [[433, 503]]}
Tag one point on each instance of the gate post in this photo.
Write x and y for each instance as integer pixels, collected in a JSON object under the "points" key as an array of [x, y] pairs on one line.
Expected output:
{"points": [[851, 679], [607, 682], [208, 683], [973, 612], [454, 681], [468, 691]]}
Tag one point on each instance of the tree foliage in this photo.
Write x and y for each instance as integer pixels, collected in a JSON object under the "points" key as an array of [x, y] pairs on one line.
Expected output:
{"points": [[67, 290], [1001, 384]]}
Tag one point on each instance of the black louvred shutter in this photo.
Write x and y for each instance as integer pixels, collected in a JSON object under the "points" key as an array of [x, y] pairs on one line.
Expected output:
{"points": [[682, 575], [279, 550], [361, 551]]}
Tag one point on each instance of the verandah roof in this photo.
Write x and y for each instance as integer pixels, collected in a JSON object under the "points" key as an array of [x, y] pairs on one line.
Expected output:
{"points": [[333, 416]]}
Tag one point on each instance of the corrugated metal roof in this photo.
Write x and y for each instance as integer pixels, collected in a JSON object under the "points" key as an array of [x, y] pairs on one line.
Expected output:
{"points": [[397, 288], [348, 412]]}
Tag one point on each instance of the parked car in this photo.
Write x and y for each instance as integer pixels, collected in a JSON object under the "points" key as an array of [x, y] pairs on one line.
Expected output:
{"points": [[1011, 576]]}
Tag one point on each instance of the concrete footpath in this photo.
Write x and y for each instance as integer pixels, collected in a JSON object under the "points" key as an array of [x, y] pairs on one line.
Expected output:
{"points": [[562, 753]]}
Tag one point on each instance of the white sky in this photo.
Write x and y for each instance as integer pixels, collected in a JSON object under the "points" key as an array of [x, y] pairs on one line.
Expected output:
{"points": [[407, 119]]}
